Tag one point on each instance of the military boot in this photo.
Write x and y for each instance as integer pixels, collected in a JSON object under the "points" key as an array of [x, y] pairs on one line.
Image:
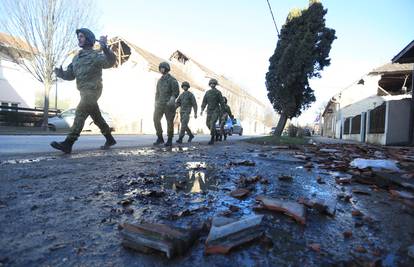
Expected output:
{"points": [[65, 146], [160, 141], [110, 141], [225, 137], [169, 142], [211, 140], [190, 138], [179, 140], [221, 138]]}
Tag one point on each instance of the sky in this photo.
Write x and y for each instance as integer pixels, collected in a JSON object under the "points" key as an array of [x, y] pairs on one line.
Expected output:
{"points": [[237, 37]]}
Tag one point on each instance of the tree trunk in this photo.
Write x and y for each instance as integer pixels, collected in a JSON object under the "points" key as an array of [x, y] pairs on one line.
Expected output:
{"points": [[47, 86], [281, 124]]}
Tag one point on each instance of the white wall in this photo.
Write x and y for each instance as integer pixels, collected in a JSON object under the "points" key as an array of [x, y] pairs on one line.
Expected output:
{"points": [[17, 85]]}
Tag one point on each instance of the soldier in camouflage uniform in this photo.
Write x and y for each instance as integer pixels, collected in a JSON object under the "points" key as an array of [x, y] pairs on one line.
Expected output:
{"points": [[214, 100], [167, 91], [225, 114], [186, 101], [86, 68]]}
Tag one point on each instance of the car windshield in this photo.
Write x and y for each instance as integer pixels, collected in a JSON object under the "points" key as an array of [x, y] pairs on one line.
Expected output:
{"points": [[69, 112]]}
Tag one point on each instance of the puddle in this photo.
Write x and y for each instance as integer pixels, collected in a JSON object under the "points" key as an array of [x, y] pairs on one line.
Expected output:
{"points": [[195, 182], [25, 161], [196, 165], [137, 152]]}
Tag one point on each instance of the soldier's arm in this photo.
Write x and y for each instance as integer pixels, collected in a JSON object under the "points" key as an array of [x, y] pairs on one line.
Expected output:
{"points": [[204, 104], [67, 74], [229, 112], [221, 101], [178, 102], [107, 59], [195, 107], [175, 88]]}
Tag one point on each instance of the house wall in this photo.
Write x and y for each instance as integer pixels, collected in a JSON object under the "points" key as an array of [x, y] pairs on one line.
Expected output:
{"points": [[16, 85], [129, 93]]}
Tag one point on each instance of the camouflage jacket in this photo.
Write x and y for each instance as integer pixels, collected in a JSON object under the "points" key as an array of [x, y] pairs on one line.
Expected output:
{"points": [[213, 99], [186, 101], [167, 86], [226, 109], [86, 68]]}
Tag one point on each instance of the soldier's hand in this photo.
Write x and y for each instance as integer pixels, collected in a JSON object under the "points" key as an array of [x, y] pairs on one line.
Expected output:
{"points": [[58, 71], [103, 41]]}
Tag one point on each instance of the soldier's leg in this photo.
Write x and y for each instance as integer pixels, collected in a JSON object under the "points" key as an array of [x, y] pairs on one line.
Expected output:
{"points": [[170, 115], [184, 118], [158, 113], [97, 118], [81, 114]]}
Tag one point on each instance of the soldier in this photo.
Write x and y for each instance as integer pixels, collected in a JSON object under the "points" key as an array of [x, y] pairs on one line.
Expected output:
{"points": [[214, 100], [167, 92], [86, 68], [186, 101], [226, 113]]}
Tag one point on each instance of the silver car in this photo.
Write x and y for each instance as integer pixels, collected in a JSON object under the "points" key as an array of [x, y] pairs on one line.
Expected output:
{"points": [[65, 120]]}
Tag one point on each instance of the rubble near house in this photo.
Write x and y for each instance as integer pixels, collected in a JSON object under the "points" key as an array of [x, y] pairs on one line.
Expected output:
{"points": [[290, 208], [172, 241], [226, 234]]}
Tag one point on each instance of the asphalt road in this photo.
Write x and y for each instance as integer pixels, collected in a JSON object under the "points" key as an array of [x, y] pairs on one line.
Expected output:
{"points": [[22, 144]]}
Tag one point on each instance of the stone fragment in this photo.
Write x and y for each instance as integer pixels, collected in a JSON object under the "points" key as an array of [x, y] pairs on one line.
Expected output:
{"points": [[239, 193], [290, 208]]}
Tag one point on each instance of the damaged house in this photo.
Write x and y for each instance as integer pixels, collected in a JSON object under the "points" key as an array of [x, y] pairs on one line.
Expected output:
{"points": [[374, 109], [129, 90]]}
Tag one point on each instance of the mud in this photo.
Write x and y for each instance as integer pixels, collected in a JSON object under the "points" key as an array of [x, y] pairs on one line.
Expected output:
{"points": [[65, 210]]}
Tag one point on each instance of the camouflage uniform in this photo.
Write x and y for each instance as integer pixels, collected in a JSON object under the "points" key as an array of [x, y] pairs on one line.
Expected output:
{"points": [[186, 101], [225, 114], [214, 100], [86, 68], [167, 86]]}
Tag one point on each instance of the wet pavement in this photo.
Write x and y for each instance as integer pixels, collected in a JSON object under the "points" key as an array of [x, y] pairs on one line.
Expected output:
{"points": [[65, 210]]}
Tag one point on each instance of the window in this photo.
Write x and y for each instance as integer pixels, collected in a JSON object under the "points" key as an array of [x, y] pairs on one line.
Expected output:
{"points": [[346, 125], [4, 104], [377, 120], [356, 125]]}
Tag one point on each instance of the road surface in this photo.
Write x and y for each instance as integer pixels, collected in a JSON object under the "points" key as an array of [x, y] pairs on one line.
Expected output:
{"points": [[22, 144]]}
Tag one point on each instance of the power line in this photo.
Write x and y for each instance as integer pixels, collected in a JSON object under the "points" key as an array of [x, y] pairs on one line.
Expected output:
{"points": [[273, 17]]}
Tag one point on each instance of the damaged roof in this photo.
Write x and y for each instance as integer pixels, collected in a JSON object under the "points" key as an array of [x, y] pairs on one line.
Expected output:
{"points": [[406, 55], [154, 61], [223, 81], [393, 68]]}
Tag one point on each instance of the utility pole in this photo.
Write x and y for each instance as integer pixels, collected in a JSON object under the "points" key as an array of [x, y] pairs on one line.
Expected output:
{"points": [[273, 17]]}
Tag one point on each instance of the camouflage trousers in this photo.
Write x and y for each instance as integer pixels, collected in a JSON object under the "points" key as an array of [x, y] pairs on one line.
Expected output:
{"points": [[185, 119], [223, 120], [212, 118], [169, 112], [88, 106]]}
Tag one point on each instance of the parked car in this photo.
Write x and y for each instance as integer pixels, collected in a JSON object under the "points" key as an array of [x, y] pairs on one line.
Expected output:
{"points": [[65, 120], [231, 127]]}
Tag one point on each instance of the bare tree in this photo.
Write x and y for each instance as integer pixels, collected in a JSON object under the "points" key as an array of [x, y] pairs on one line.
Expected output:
{"points": [[42, 33]]}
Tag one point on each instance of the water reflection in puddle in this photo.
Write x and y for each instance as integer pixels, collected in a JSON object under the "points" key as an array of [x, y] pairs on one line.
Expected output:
{"points": [[25, 161], [196, 165], [195, 182]]}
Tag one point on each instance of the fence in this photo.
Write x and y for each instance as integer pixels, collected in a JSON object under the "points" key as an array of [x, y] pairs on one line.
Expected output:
{"points": [[347, 125], [377, 120], [356, 125], [18, 116]]}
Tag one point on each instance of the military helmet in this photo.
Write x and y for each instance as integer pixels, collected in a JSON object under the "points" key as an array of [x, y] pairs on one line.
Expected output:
{"points": [[225, 99], [164, 65], [89, 36], [214, 81], [185, 84]]}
